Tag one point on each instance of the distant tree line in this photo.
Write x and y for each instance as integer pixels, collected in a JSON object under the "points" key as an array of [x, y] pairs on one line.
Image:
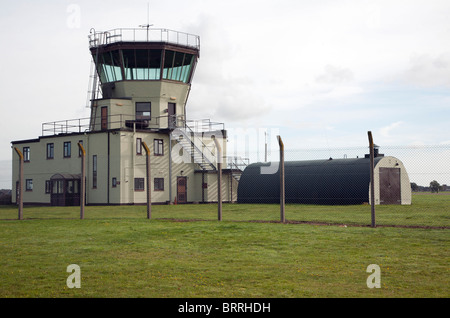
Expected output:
{"points": [[5, 196], [434, 187]]}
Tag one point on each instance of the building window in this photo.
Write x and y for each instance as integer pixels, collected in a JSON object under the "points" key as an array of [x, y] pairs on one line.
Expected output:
{"points": [[114, 182], [29, 184], [94, 171], [67, 149], [159, 184], [50, 151], [48, 186], [139, 184], [158, 145], [139, 146], [26, 154], [143, 111]]}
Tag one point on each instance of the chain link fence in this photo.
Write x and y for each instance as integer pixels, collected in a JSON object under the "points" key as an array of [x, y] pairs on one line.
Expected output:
{"points": [[333, 186], [323, 186]]}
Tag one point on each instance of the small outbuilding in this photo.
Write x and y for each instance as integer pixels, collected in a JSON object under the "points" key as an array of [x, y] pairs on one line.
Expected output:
{"points": [[331, 181]]}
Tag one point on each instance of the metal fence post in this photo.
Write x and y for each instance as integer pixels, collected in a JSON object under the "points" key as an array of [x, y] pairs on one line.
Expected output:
{"points": [[372, 185], [282, 183], [20, 203], [149, 190], [219, 180], [83, 180]]}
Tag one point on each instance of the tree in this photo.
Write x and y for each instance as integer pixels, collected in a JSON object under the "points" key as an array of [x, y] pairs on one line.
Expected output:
{"points": [[414, 187], [435, 186]]}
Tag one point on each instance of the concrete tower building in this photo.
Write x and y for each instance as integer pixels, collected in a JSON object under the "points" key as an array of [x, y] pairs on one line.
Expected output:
{"points": [[141, 79]]}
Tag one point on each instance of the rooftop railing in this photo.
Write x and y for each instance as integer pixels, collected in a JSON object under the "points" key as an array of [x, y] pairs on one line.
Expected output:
{"points": [[98, 38], [120, 121]]}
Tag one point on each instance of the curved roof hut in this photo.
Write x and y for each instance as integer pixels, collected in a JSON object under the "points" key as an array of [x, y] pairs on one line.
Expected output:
{"points": [[332, 181]]}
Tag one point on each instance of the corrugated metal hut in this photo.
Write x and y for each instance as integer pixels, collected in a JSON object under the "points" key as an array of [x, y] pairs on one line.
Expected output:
{"points": [[331, 181]]}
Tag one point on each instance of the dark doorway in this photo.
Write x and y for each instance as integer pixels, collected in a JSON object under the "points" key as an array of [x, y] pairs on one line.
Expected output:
{"points": [[390, 186], [65, 190], [181, 190], [172, 111]]}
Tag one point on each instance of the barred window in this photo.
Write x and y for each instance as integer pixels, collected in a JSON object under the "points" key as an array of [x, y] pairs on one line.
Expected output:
{"points": [[139, 184], [159, 184]]}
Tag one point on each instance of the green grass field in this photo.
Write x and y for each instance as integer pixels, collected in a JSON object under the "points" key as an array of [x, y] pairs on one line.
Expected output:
{"points": [[123, 254]]}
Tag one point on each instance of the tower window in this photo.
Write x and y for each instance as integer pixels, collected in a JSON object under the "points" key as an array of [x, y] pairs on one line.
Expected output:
{"points": [[143, 111]]}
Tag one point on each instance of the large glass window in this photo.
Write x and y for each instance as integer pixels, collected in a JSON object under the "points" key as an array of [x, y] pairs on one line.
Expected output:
{"points": [[144, 64], [109, 67], [177, 66]]}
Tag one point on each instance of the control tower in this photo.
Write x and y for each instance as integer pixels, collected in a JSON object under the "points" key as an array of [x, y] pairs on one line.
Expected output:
{"points": [[140, 83], [142, 77]]}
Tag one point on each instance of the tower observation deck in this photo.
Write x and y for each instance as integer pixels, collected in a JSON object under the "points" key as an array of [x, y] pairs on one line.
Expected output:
{"points": [[144, 54], [149, 70]]}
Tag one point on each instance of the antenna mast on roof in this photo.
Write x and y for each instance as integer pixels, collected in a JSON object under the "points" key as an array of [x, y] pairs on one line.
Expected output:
{"points": [[148, 25]]}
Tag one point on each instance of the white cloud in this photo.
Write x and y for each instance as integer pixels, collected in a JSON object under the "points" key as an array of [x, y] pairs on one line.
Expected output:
{"points": [[428, 70], [335, 75], [387, 130]]}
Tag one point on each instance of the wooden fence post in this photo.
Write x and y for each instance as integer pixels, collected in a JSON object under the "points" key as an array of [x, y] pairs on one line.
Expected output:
{"points": [[20, 203], [219, 180], [282, 183], [372, 185], [83, 180], [149, 189]]}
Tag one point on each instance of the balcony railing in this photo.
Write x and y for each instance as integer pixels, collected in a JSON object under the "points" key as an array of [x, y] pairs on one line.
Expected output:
{"points": [[120, 121], [143, 35]]}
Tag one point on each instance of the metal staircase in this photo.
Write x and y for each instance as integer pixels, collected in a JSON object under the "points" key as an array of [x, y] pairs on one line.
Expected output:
{"points": [[202, 154], [237, 165]]}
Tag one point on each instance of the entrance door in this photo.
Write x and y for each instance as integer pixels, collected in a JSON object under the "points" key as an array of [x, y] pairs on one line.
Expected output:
{"points": [[172, 110], [104, 123], [65, 192], [390, 186], [57, 196], [181, 190]]}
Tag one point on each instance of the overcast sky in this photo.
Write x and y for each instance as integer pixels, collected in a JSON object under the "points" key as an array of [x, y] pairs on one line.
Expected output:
{"points": [[321, 73]]}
